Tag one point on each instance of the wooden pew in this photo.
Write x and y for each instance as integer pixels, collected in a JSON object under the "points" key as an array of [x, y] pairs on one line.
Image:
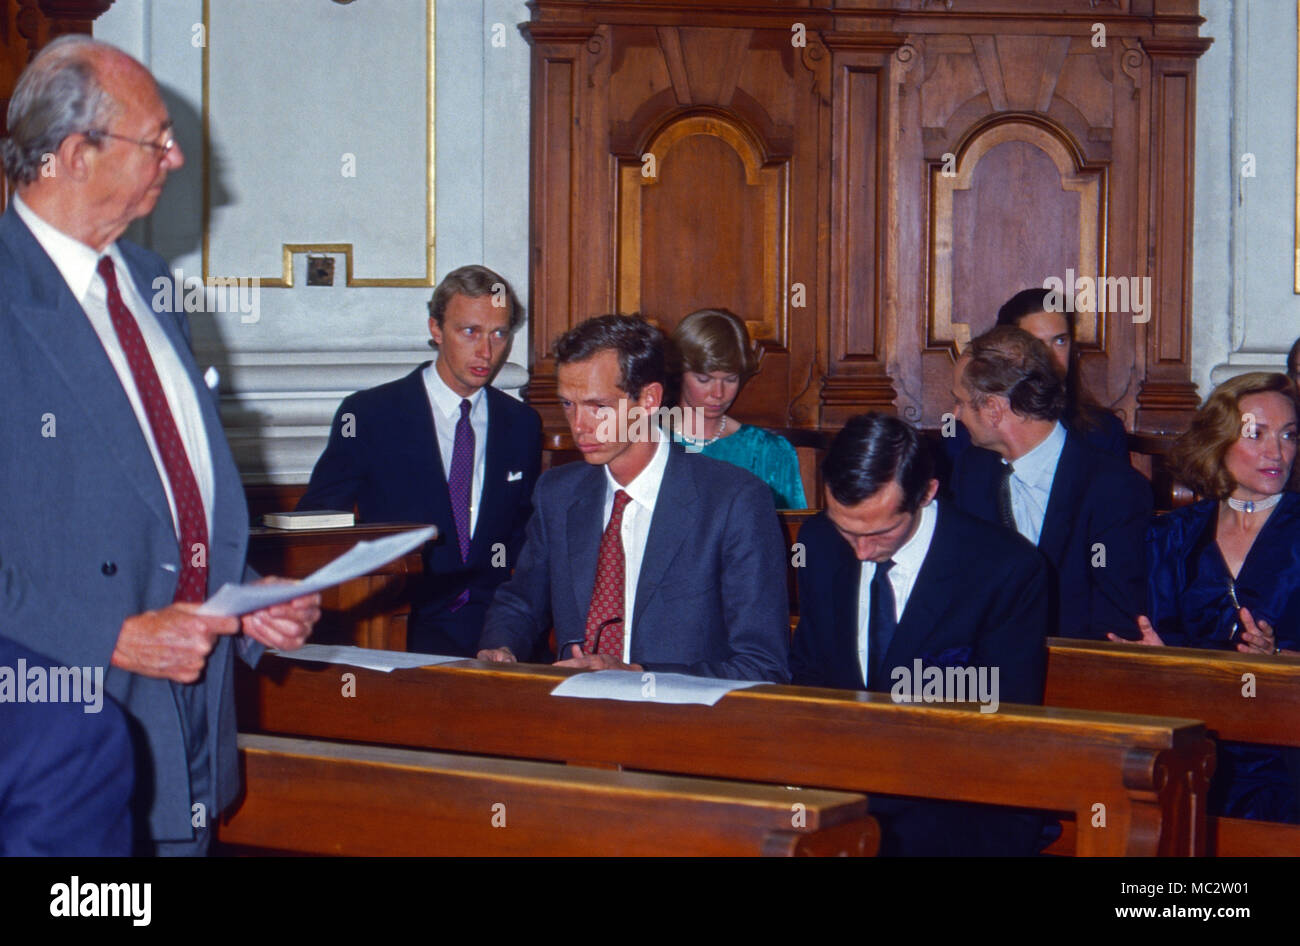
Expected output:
{"points": [[1149, 773], [1201, 684], [308, 797], [369, 611]]}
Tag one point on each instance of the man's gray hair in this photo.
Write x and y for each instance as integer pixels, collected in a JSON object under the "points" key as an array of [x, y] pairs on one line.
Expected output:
{"points": [[58, 95]]}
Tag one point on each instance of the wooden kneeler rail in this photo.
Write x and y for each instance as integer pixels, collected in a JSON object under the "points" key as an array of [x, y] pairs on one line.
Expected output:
{"points": [[309, 797], [1149, 774]]}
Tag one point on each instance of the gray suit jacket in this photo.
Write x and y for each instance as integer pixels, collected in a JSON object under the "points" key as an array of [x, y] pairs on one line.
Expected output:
{"points": [[711, 595], [86, 535]]}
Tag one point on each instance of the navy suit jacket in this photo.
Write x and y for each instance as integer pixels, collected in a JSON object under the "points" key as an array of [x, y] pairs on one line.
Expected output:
{"points": [[1096, 499], [980, 600], [392, 471], [710, 598], [88, 538], [1108, 436], [65, 775]]}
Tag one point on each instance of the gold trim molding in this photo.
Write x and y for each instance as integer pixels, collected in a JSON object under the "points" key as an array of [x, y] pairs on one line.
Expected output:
{"points": [[288, 250], [1090, 183]]}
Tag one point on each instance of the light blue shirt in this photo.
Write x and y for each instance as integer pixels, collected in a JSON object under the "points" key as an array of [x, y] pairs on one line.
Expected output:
{"points": [[1031, 483]]}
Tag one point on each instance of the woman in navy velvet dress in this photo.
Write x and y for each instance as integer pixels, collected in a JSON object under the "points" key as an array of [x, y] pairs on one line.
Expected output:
{"points": [[1224, 573]]}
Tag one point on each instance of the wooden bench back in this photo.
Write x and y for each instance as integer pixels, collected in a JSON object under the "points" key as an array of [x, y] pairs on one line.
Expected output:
{"points": [[1241, 697], [1148, 774], [310, 797]]}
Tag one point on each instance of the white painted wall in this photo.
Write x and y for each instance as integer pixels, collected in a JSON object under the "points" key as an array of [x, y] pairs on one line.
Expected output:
{"points": [[1246, 314], [284, 374]]}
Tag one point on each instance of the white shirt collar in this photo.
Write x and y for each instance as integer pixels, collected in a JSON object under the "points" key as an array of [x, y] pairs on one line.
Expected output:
{"points": [[75, 260], [645, 485], [1038, 467], [912, 555], [445, 399]]}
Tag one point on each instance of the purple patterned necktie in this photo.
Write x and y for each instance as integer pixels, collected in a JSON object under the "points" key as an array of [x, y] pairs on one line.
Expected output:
{"points": [[459, 481], [192, 585]]}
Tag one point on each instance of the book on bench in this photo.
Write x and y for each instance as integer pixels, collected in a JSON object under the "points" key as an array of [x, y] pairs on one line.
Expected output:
{"points": [[321, 519]]}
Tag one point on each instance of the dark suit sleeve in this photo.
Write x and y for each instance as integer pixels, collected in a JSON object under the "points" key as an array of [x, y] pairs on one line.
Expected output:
{"points": [[1119, 519], [1014, 638], [66, 778], [340, 472], [532, 470], [756, 613], [807, 665], [520, 612]]}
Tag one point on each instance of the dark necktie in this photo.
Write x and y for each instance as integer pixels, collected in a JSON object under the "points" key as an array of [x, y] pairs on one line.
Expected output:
{"points": [[192, 585], [459, 481], [605, 618], [1006, 514], [880, 630]]}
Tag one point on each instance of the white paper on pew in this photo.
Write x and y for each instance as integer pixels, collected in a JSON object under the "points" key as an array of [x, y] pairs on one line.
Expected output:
{"points": [[362, 559], [385, 660], [645, 686]]}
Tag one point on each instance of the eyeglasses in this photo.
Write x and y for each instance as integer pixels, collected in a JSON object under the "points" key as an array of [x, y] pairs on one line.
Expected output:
{"points": [[162, 149]]}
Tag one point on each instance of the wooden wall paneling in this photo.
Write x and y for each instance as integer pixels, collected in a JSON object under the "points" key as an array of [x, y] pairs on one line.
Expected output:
{"points": [[1167, 394], [556, 77], [857, 370], [1071, 154], [732, 213]]}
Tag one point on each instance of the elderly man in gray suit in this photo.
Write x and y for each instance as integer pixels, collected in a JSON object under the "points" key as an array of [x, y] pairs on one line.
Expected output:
{"points": [[646, 556], [121, 504]]}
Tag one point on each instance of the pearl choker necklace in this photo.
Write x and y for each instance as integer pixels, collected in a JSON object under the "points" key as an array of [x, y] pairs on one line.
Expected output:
{"points": [[701, 444], [1259, 505]]}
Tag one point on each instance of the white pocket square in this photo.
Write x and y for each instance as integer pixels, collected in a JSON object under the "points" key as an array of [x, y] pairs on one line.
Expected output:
{"points": [[512, 477]]}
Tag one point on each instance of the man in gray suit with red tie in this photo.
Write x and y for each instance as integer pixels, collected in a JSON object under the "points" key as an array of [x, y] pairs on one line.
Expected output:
{"points": [[121, 504], [646, 556]]}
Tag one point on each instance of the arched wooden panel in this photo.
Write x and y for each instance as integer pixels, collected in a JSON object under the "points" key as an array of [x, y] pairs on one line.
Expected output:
{"points": [[1018, 208], [684, 246]]}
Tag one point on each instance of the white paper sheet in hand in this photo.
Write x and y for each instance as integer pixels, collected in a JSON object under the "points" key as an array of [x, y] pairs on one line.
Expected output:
{"points": [[385, 660], [362, 559], [644, 686]]}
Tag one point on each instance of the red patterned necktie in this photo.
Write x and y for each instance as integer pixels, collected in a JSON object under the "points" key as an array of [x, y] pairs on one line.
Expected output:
{"points": [[193, 583], [605, 618]]}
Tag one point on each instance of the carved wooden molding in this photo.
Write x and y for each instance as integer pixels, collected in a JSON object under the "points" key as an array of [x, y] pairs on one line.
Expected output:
{"points": [[1089, 182], [761, 172]]}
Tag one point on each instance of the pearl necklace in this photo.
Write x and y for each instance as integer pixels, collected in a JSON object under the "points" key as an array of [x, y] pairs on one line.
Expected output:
{"points": [[701, 444], [1258, 505]]}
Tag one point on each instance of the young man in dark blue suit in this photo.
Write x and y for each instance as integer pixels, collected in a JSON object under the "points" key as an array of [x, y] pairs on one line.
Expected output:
{"points": [[443, 446], [1085, 510], [893, 577], [645, 556]]}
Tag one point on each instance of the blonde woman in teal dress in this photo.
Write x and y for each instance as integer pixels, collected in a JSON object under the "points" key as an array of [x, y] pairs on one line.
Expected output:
{"points": [[713, 358]]}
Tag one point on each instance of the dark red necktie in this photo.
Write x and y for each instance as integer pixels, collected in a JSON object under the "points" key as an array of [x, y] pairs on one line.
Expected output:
{"points": [[605, 617], [193, 583]]}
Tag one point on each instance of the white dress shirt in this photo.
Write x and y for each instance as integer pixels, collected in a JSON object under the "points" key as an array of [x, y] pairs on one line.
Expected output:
{"points": [[1031, 483], [77, 264], [643, 490], [445, 404], [902, 577]]}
